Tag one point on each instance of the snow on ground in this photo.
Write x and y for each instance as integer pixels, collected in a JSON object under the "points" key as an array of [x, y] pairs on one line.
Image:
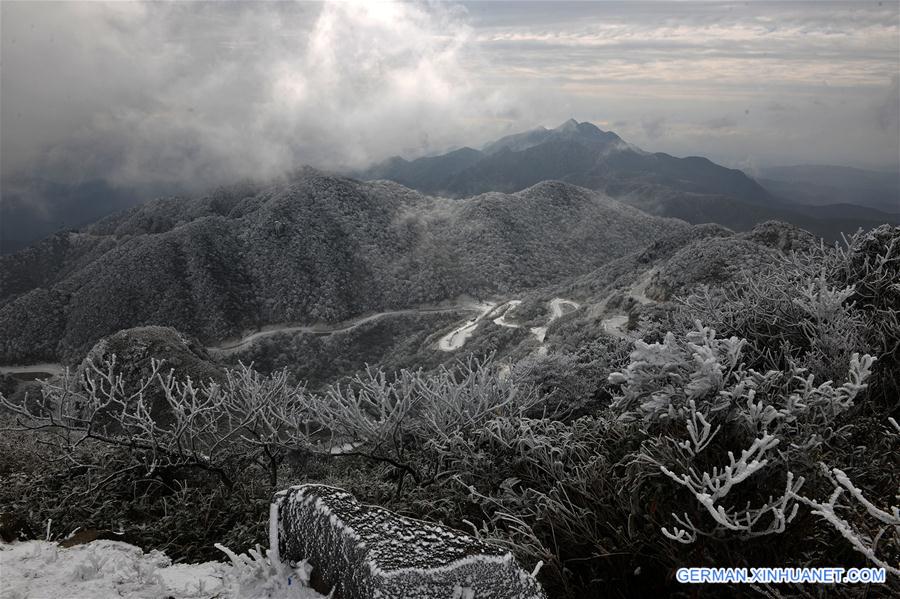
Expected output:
{"points": [[639, 290], [615, 325], [101, 569], [504, 310], [456, 338], [556, 310]]}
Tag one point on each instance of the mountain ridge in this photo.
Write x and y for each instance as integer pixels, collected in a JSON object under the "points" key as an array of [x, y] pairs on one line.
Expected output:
{"points": [[692, 188], [312, 247], [579, 153]]}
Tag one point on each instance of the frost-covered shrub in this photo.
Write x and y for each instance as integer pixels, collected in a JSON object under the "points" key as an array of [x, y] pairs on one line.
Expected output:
{"points": [[397, 421], [815, 308], [871, 265], [104, 460], [664, 381], [743, 448], [786, 315], [246, 421], [183, 515], [549, 490], [713, 261], [572, 384]]}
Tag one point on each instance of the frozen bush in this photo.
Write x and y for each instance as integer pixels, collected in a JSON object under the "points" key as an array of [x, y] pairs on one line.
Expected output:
{"points": [[247, 421], [397, 421], [741, 443], [815, 308]]}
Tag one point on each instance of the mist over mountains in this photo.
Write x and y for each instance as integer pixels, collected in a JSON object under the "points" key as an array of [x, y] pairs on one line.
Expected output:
{"points": [[821, 185], [297, 299], [310, 248], [826, 200], [578, 153], [693, 188]]}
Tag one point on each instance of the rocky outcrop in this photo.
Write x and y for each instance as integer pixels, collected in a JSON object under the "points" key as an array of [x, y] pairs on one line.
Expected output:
{"points": [[368, 552], [134, 351]]}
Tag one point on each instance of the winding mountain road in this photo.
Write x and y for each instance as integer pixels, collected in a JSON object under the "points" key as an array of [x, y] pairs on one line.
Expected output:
{"points": [[457, 337], [43, 368], [232, 345], [556, 310], [452, 341]]}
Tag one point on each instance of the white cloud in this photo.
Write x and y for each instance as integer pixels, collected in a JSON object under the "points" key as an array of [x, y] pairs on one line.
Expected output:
{"points": [[202, 93]]}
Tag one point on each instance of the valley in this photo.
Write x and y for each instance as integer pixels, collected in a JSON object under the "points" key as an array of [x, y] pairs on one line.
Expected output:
{"points": [[230, 346], [312, 248], [691, 188], [498, 312], [449, 299]]}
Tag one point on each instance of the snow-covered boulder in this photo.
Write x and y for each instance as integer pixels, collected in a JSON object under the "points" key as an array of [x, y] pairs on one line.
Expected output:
{"points": [[368, 552]]}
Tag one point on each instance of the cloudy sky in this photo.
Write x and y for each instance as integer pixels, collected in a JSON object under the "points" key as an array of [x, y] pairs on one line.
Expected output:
{"points": [[198, 94]]}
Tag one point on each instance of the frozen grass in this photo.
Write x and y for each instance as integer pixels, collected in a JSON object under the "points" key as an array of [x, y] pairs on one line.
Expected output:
{"points": [[39, 569]]}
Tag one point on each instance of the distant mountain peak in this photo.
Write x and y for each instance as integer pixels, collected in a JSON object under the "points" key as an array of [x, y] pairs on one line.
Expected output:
{"points": [[570, 125], [587, 127], [583, 131], [569, 131]]}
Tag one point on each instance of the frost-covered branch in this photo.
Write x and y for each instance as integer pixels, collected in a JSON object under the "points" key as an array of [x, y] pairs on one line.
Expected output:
{"points": [[859, 539], [165, 423]]}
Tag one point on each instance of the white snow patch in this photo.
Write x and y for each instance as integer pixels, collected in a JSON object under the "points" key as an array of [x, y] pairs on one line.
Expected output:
{"points": [[556, 310], [539, 333], [100, 569], [615, 325], [344, 448], [639, 290], [507, 308], [556, 305], [456, 338], [274, 530]]}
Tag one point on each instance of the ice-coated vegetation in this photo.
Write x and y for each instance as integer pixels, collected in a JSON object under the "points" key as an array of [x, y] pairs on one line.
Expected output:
{"points": [[114, 569], [312, 248], [749, 420]]}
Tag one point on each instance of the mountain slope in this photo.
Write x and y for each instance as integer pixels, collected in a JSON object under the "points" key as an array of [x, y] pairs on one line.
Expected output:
{"points": [[693, 188], [310, 248], [578, 153], [828, 222]]}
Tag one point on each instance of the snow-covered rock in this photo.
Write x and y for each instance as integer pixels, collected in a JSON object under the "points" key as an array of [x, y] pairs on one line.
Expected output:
{"points": [[368, 552]]}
